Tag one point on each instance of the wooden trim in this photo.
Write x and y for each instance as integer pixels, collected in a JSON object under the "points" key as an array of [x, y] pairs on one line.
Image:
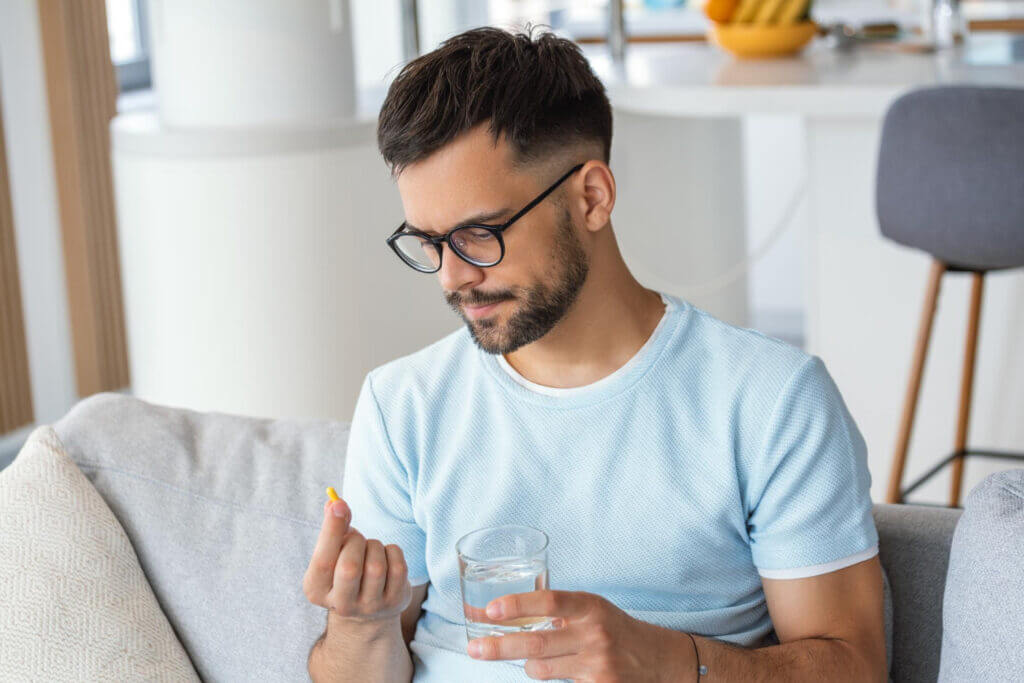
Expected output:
{"points": [[82, 91], [15, 390], [1011, 25]]}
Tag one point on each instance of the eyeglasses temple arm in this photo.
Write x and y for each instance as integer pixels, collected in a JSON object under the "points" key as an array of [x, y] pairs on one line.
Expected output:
{"points": [[540, 198]]}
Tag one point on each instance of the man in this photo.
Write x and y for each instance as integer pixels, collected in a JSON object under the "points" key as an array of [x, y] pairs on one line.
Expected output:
{"points": [[702, 485]]}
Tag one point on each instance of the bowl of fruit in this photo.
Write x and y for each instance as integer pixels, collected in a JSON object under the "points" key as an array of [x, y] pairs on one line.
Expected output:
{"points": [[760, 28]]}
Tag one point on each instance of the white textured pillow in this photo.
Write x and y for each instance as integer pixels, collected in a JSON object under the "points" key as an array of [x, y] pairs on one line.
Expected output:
{"points": [[74, 602]]}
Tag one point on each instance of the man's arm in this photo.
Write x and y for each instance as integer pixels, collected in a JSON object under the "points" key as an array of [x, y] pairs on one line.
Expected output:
{"points": [[376, 487], [348, 653], [830, 627], [342, 654]]}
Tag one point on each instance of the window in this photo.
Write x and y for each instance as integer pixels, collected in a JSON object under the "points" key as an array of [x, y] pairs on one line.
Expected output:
{"points": [[129, 42]]}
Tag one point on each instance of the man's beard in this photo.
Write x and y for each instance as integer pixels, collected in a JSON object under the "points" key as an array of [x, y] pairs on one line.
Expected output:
{"points": [[544, 304]]}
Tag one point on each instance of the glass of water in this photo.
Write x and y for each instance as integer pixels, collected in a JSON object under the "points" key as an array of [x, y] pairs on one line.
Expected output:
{"points": [[496, 561]]}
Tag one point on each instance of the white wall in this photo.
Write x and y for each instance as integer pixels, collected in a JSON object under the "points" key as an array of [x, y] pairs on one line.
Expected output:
{"points": [[774, 172], [676, 231]]}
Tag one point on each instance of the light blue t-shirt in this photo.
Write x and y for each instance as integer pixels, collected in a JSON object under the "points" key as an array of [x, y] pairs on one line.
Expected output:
{"points": [[715, 456]]}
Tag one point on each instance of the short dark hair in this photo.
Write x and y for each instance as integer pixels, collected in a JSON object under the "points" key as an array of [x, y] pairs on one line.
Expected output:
{"points": [[541, 93]]}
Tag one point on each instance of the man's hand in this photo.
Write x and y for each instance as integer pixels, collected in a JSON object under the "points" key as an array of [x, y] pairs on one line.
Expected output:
{"points": [[359, 579], [365, 587], [594, 641]]}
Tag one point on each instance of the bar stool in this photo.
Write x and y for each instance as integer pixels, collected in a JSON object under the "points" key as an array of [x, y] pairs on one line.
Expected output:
{"points": [[950, 181]]}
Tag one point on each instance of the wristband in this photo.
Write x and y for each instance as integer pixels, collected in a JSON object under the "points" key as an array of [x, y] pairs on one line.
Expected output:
{"points": [[701, 669]]}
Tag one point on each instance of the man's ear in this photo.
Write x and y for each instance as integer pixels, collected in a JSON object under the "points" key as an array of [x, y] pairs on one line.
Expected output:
{"points": [[598, 195]]}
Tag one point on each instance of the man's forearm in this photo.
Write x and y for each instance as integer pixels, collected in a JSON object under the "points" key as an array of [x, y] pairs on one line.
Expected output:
{"points": [[812, 659], [351, 652]]}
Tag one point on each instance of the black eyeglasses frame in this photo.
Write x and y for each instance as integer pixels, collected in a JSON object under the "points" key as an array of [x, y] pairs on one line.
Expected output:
{"points": [[496, 230]]}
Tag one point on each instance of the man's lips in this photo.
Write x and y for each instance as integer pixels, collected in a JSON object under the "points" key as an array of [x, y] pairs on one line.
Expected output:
{"points": [[477, 312]]}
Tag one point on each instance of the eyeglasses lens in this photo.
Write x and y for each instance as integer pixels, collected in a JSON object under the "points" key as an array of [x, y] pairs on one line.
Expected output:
{"points": [[418, 252], [477, 244]]}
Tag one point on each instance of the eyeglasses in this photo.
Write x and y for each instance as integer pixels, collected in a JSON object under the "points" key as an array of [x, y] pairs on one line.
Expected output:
{"points": [[478, 244]]}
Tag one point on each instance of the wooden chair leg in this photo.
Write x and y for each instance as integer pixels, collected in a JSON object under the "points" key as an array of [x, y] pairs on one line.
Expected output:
{"points": [[924, 332], [966, 386]]}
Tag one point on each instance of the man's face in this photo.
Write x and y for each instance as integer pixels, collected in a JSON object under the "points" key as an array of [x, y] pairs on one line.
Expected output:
{"points": [[519, 300]]}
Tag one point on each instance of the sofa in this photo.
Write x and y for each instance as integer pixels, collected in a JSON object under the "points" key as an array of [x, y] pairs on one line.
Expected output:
{"points": [[147, 542]]}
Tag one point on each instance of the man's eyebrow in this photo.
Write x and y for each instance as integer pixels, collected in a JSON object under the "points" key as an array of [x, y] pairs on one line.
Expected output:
{"points": [[475, 218]]}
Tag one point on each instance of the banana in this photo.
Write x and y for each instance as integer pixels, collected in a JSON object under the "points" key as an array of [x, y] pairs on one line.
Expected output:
{"points": [[792, 11], [745, 12], [767, 11]]}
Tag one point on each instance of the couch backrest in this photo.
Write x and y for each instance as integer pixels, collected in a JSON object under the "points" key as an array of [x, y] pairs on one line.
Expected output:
{"points": [[223, 512], [914, 543], [983, 607], [201, 495]]}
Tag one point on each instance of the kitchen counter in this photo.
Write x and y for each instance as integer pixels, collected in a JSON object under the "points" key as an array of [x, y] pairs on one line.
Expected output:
{"points": [[699, 79]]}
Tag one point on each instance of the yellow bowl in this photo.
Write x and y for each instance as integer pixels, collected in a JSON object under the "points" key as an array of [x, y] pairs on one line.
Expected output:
{"points": [[752, 40]]}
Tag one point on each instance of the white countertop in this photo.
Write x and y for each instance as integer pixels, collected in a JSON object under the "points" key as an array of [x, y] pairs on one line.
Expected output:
{"points": [[592, 22], [700, 79]]}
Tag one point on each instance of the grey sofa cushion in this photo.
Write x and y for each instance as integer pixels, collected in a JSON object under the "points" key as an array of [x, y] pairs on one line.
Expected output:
{"points": [[983, 614], [913, 544], [223, 512]]}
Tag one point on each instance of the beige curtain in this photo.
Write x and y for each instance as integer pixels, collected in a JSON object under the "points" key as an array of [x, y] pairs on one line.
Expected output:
{"points": [[82, 94], [15, 393]]}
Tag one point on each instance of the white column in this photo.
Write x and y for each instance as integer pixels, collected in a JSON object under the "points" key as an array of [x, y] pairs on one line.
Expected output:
{"points": [[257, 280], [252, 62], [252, 211]]}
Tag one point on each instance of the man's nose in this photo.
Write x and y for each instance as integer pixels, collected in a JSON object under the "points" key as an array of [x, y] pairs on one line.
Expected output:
{"points": [[456, 273]]}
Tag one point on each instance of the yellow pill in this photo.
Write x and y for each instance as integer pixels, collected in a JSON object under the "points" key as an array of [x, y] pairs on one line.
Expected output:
{"points": [[332, 493]]}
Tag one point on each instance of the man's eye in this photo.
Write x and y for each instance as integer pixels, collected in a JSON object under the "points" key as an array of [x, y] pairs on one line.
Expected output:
{"points": [[476, 234]]}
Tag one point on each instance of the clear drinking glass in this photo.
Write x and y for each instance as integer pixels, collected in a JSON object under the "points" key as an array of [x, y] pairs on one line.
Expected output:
{"points": [[496, 561]]}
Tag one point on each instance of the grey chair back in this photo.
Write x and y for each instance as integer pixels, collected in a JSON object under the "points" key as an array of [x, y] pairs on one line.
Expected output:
{"points": [[950, 177]]}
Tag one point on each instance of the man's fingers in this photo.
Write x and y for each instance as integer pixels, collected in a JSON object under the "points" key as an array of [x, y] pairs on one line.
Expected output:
{"points": [[397, 572], [320, 575], [340, 508], [375, 568], [349, 572], [532, 645], [540, 603]]}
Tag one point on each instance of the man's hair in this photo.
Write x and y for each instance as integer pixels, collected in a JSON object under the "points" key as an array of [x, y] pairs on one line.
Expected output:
{"points": [[541, 93]]}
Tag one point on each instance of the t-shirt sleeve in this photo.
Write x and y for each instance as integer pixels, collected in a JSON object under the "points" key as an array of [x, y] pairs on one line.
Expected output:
{"points": [[809, 492], [376, 486]]}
